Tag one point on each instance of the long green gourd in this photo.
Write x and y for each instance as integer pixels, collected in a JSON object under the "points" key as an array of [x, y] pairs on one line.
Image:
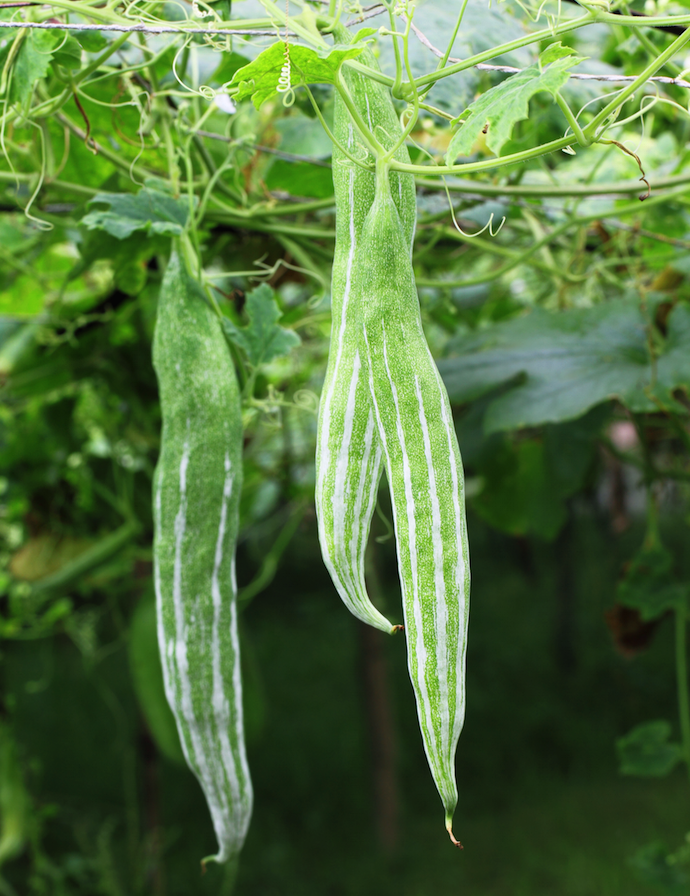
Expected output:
{"points": [[348, 452], [196, 493], [425, 477]]}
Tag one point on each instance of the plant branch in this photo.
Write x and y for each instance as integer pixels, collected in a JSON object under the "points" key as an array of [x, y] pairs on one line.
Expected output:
{"points": [[576, 76], [630, 208], [639, 81], [473, 187]]}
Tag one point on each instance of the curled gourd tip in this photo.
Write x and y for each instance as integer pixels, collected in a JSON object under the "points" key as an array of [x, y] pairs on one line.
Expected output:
{"points": [[453, 838]]}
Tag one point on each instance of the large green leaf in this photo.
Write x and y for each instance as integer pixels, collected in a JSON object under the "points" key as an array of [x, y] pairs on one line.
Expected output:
{"points": [[263, 339], [672, 368], [500, 108], [558, 365], [526, 482], [259, 79]]}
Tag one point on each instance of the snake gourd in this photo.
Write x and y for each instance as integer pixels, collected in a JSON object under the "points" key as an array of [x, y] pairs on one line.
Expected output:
{"points": [[197, 486], [348, 451], [425, 477]]}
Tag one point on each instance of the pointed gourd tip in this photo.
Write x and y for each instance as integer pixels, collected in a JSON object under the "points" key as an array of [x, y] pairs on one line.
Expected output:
{"points": [[397, 628], [449, 828], [207, 859]]}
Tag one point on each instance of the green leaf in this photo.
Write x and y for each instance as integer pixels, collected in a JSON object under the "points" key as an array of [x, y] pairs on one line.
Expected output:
{"points": [[147, 677], [303, 136], [230, 63], [127, 256], [263, 339], [92, 41], [673, 366], [517, 497], [23, 299], [527, 482], [558, 365], [148, 210], [646, 750], [259, 79], [500, 108], [32, 63], [69, 52], [300, 179], [363, 34], [554, 52], [649, 585]]}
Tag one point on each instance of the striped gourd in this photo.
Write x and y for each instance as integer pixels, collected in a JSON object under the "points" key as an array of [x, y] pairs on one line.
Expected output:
{"points": [[425, 476], [348, 452], [196, 493]]}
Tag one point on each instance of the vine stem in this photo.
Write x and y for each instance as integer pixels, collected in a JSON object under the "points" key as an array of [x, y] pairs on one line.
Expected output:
{"points": [[513, 70], [682, 675], [628, 208], [591, 129]]}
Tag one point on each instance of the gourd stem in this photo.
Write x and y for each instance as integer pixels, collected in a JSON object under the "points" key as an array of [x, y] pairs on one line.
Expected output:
{"points": [[408, 68], [396, 50], [328, 131], [572, 121], [367, 136], [383, 186]]}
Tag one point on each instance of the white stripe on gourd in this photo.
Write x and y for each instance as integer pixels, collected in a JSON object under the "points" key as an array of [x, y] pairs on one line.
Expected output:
{"points": [[348, 452], [425, 476], [196, 495]]}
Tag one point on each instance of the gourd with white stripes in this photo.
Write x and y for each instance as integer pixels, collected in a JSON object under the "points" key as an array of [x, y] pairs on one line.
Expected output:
{"points": [[348, 452], [197, 486], [425, 476]]}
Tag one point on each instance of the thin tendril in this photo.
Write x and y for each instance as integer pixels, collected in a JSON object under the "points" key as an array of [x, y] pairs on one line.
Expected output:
{"points": [[488, 226], [285, 80]]}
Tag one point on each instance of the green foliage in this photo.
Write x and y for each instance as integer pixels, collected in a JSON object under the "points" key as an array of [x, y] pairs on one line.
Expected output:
{"points": [[32, 61], [259, 79], [150, 210], [300, 179], [147, 678], [92, 41], [662, 869], [649, 584], [646, 750], [497, 111], [525, 483], [263, 339], [557, 366], [15, 803]]}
